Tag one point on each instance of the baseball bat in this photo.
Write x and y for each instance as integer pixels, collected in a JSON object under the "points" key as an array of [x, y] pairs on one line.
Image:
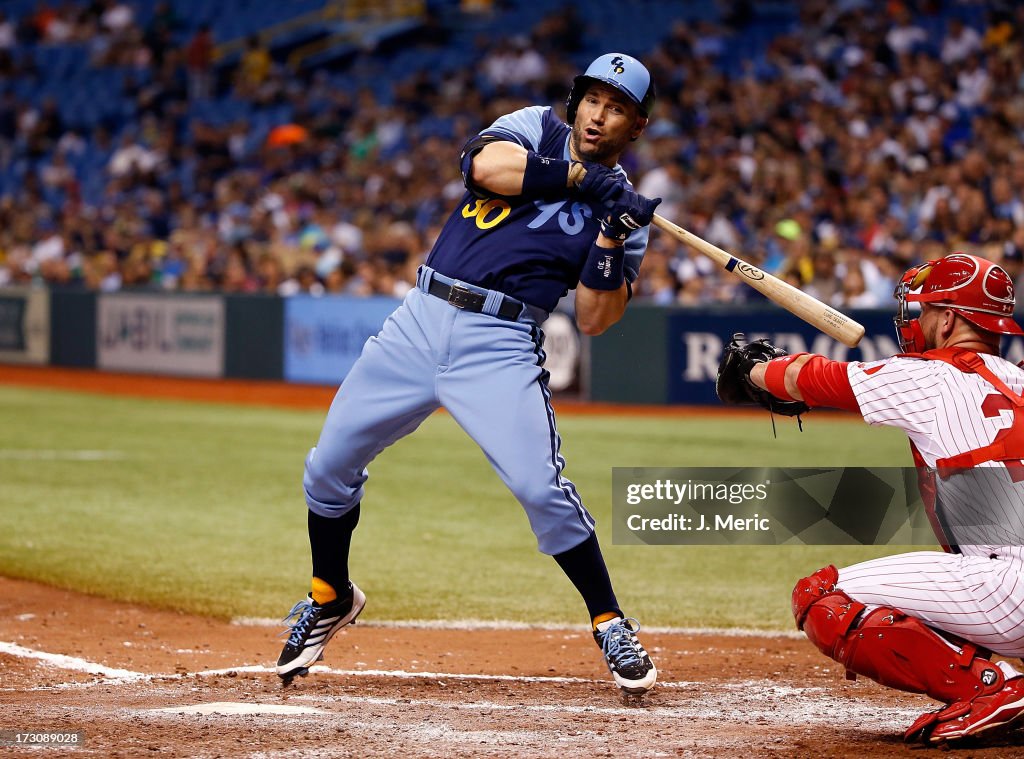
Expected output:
{"points": [[820, 316]]}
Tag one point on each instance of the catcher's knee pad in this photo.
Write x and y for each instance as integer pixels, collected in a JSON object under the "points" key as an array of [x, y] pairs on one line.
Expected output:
{"points": [[810, 589]]}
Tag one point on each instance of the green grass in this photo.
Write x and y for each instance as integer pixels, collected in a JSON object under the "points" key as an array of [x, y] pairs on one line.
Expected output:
{"points": [[203, 512]]}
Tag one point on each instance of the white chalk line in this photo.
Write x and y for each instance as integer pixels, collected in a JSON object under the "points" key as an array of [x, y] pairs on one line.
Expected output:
{"points": [[73, 663], [733, 700], [114, 676], [26, 454], [403, 674], [497, 624], [236, 708]]}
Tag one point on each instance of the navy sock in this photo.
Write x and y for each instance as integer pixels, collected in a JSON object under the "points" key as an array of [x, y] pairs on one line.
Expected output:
{"points": [[584, 566], [329, 542]]}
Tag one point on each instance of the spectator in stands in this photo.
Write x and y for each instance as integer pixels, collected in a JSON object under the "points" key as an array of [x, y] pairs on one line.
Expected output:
{"points": [[999, 31], [101, 272], [132, 158], [47, 129], [159, 33], [499, 63], [253, 68], [8, 126], [559, 33], [904, 35], [825, 284], [57, 174], [666, 180], [8, 32], [60, 27], [339, 279], [117, 17], [972, 83], [1012, 258], [199, 60], [657, 282], [477, 7], [960, 42], [854, 292]]}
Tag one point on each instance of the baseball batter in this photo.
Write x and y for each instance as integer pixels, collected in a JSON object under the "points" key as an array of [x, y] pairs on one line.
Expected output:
{"points": [[547, 209], [929, 622]]}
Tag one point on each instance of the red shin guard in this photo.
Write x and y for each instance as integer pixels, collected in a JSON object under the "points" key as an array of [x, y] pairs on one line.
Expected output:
{"points": [[888, 646]]}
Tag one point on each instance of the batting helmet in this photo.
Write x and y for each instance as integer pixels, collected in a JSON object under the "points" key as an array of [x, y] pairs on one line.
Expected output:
{"points": [[623, 72], [974, 288]]}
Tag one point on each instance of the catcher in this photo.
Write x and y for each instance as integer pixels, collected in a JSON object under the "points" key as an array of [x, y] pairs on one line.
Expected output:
{"points": [[930, 621]]}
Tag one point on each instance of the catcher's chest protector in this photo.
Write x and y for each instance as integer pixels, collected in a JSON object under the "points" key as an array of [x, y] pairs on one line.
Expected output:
{"points": [[1008, 444]]}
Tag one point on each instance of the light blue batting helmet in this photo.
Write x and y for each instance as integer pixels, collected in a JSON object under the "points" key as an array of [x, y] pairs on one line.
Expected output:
{"points": [[621, 71]]}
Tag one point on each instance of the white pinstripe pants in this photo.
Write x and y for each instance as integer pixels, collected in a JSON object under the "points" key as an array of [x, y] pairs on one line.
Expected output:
{"points": [[977, 598]]}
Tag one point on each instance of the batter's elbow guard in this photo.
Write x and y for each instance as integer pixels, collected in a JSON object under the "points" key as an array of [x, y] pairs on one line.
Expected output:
{"points": [[469, 151]]}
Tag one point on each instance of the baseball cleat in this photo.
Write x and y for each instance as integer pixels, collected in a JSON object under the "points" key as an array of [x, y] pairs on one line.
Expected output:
{"points": [[310, 629], [986, 713], [627, 660]]}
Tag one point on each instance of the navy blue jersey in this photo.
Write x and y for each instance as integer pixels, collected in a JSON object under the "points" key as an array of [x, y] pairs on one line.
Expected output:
{"points": [[532, 250]]}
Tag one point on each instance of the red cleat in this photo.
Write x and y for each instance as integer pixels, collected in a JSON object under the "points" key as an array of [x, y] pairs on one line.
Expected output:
{"points": [[985, 713]]}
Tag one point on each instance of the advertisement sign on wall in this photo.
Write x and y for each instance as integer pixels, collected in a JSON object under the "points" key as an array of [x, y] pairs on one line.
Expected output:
{"points": [[24, 326], [161, 334], [324, 336], [696, 341]]}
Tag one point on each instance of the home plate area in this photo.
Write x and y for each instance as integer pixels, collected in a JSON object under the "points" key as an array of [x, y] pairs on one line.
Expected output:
{"points": [[136, 681]]}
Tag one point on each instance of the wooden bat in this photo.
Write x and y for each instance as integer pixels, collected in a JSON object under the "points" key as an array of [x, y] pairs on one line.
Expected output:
{"points": [[820, 316]]}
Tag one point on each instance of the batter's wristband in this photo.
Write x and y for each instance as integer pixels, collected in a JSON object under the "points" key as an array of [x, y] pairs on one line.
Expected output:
{"points": [[775, 376], [605, 268], [544, 177]]}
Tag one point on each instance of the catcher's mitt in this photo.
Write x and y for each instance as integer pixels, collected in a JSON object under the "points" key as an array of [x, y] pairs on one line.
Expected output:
{"points": [[733, 383]]}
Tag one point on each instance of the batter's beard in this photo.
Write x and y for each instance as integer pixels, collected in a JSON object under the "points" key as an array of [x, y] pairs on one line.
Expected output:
{"points": [[597, 154]]}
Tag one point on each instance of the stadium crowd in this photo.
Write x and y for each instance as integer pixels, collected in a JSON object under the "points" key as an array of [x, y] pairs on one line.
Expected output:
{"points": [[859, 142]]}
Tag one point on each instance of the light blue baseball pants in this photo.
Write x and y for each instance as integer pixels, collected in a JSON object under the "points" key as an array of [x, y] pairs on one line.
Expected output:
{"points": [[488, 373]]}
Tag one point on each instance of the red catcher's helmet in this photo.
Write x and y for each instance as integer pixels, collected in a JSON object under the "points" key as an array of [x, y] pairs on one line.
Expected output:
{"points": [[975, 288]]}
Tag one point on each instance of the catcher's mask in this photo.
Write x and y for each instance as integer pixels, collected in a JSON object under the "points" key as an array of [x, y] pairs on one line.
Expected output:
{"points": [[974, 288], [621, 71]]}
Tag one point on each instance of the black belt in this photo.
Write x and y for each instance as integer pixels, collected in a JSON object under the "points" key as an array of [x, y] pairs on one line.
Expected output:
{"points": [[464, 298]]}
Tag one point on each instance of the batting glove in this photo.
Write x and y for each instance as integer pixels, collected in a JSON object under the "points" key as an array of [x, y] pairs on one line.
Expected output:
{"points": [[600, 183], [630, 212]]}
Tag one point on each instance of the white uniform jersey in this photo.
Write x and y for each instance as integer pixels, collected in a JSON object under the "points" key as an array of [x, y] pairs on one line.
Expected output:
{"points": [[945, 412], [978, 594]]}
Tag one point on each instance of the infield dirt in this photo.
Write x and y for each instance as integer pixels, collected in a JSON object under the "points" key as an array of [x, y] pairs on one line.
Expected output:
{"points": [[409, 691]]}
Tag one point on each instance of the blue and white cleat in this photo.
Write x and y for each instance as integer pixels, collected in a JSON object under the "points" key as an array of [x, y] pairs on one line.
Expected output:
{"points": [[629, 663], [310, 629]]}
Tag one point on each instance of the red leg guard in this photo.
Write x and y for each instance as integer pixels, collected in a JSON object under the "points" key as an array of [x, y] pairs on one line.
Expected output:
{"points": [[893, 649], [902, 652], [896, 650]]}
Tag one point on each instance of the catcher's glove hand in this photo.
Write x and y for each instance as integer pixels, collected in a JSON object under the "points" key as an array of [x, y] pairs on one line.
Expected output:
{"points": [[733, 383]]}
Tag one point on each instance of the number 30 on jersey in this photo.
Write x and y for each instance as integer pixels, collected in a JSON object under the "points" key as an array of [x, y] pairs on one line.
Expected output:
{"points": [[492, 211], [487, 213]]}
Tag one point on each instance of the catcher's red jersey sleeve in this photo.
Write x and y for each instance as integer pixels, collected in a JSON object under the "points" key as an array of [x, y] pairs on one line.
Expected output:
{"points": [[822, 382]]}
